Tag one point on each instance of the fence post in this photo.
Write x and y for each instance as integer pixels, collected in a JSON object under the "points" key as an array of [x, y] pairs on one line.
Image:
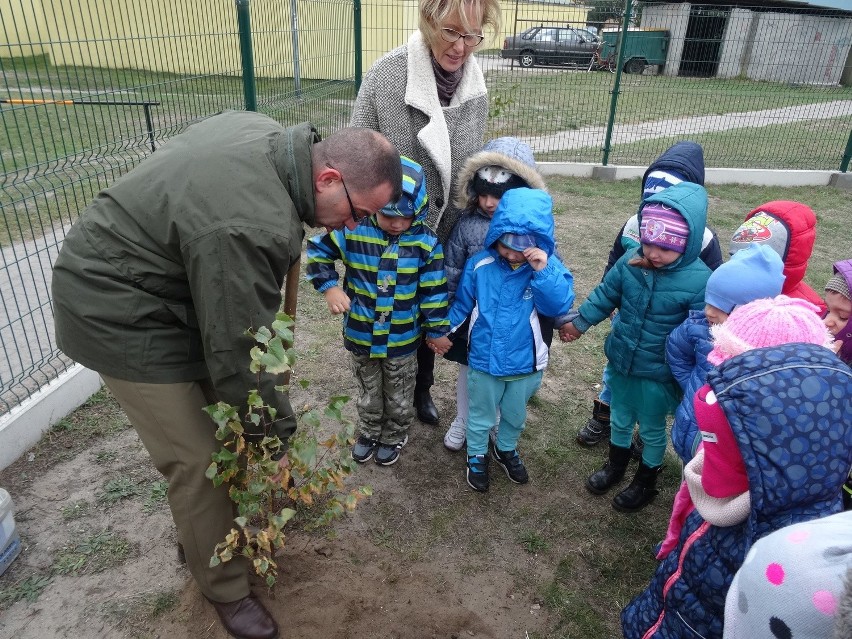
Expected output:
{"points": [[294, 32], [847, 155], [622, 37], [359, 60], [244, 25]]}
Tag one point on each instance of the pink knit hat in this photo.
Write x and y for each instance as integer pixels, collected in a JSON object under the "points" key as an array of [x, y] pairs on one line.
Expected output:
{"points": [[767, 322]]}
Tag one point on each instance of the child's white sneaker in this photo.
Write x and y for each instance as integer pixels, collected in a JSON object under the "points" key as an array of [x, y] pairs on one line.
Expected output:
{"points": [[456, 435]]}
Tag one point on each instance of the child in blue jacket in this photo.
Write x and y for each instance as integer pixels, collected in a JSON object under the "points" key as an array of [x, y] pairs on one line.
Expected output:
{"points": [[654, 286], [751, 274], [503, 164], [504, 290], [394, 290]]}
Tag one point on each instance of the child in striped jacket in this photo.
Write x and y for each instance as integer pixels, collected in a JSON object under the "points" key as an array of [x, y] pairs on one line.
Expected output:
{"points": [[394, 289]]}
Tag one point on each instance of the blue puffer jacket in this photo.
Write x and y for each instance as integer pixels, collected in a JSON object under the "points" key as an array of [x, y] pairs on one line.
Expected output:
{"points": [[504, 304], [790, 409], [687, 348], [652, 302]]}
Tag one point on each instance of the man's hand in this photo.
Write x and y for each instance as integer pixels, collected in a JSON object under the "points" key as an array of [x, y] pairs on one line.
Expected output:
{"points": [[567, 332], [337, 300], [283, 464], [439, 344], [536, 258]]}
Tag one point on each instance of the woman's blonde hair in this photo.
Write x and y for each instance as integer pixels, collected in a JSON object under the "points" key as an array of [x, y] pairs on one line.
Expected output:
{"points": [[433, 14]]}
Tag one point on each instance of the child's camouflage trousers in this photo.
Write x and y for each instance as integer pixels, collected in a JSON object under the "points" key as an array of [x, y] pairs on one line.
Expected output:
{"points": [[386, 404]]}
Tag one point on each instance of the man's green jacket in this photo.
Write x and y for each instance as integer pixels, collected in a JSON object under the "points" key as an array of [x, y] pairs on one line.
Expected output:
{"points": [[165, 270]]}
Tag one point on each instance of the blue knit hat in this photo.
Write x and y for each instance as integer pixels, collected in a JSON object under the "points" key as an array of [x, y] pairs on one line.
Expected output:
{"points": [[413, 199], [751, 274]]}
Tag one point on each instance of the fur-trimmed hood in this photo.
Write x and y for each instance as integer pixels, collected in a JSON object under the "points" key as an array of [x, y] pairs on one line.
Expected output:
{"points": [[511, 154]]}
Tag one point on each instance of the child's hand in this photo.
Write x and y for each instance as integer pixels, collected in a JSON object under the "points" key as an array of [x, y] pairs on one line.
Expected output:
{"points": [[337, 300], [439, 344], [567, 332], [536, 258]]}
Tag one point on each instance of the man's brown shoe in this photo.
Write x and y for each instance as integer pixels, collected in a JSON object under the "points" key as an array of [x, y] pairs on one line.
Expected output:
{"points": [[246, 618]]}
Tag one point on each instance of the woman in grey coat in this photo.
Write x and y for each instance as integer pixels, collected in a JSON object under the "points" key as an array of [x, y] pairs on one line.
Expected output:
{"points": [[428, 97]]}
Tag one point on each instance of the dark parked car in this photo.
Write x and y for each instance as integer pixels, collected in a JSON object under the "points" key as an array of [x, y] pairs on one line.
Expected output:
{"points": [[551, 45]]}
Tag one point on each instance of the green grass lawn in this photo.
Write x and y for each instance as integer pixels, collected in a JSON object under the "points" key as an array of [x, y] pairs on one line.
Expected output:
{"points": [[542, 102], [54, 158]]}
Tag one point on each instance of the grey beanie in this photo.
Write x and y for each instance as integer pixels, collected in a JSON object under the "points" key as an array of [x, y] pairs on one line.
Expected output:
{"points": [[839, 285], [792, 583]]}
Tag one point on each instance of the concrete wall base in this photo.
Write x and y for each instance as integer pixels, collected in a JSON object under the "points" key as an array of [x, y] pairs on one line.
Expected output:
{"points": [[24, 425], [759, 177], [842, 181]]}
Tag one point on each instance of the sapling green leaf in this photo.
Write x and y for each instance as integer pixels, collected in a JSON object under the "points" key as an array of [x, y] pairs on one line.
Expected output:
{"points": [[270, 495]]}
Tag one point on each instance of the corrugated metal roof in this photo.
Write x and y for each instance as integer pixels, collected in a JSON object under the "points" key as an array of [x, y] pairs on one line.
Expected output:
{"points": [[830, 4]]}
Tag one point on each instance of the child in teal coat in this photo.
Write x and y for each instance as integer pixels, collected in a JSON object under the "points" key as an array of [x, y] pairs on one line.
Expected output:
{"points": [[654, 286]]}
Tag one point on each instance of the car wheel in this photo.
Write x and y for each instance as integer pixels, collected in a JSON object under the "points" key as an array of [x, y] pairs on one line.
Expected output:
{"points": [[526, 59], [634, 65]]}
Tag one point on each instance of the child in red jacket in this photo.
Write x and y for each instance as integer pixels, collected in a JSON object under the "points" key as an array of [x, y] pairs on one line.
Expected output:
{"points": [[790, 229]]}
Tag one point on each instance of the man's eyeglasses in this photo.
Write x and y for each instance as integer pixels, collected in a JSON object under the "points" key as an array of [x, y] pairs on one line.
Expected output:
{"points": [[470, 39], [357, 217]]}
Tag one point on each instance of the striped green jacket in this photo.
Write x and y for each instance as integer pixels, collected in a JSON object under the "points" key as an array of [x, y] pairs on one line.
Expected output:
{"points": [[396, 285]]}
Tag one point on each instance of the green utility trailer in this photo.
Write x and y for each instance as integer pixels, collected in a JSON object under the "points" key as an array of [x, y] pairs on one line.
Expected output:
{"points": [[642, 47]]}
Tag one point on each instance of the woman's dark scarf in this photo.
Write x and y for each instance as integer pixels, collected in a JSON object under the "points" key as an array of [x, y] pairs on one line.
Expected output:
{"points": [[447, 82]]}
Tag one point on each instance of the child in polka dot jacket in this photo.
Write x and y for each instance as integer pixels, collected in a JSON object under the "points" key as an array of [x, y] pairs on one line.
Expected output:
{"points": [[776, 422]]}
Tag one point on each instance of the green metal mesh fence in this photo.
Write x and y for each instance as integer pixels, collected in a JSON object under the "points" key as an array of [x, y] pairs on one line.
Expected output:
{"points": [[89, 89], [758, 87]]}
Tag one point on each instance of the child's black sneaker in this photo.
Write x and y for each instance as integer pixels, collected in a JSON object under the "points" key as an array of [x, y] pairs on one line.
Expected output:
{"points": [[512, 465], [364, 449], [477, 473], [387, 454]]}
